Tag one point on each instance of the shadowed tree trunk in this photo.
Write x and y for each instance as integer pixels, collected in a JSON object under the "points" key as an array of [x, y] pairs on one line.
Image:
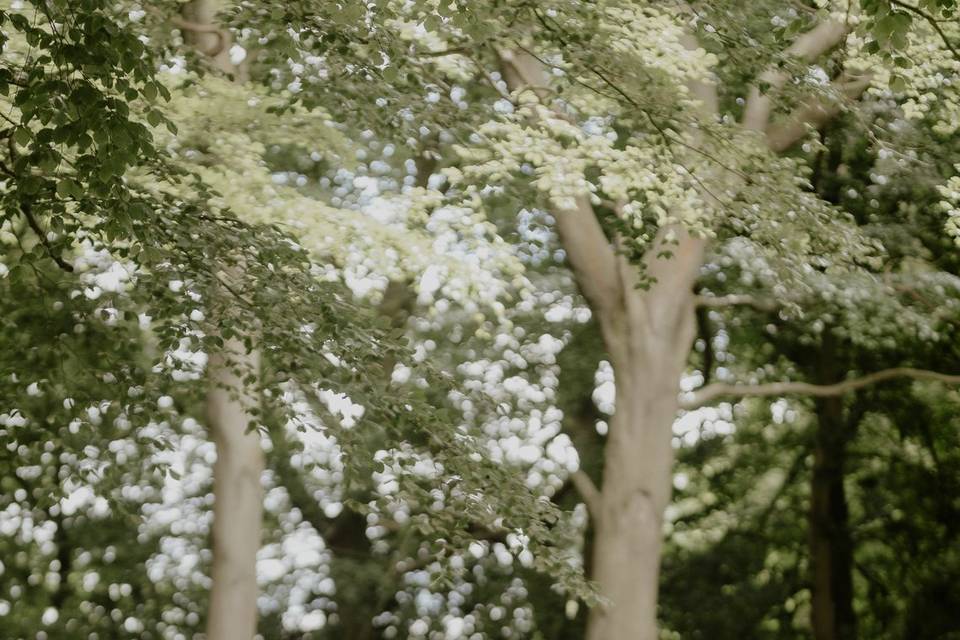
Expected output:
{"points": [[831, 547]]}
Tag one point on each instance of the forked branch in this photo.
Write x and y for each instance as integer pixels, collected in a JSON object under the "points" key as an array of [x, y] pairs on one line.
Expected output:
{"points": [[815, 113]]}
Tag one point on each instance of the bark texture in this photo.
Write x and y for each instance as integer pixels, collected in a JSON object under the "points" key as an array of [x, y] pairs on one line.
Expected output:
{"points": [[649, 336]]}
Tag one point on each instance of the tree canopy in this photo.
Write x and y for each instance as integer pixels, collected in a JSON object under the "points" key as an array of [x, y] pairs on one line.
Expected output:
{"points": [[453, 320]]}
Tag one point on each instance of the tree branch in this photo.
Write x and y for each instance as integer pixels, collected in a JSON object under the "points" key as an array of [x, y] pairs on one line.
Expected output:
{"points": [[445, 52], [933, 23], [589, 252], [196, 27], [734, 300], [808, 47], [712, 392], [815, 113], [28, 214], [588, 491], [198, 20], [705, 92]]}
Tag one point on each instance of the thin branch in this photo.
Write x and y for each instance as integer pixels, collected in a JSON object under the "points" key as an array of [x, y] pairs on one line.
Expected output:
{"points": [[734, 300], [486, 76], [712, 392], [706, 95], [933, 23], [28, 214], [445, 52], [588, 491]]}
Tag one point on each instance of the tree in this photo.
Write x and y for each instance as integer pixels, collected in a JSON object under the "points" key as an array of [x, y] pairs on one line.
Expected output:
{"points": [[157, 227], [622, 119], [649, 330]]}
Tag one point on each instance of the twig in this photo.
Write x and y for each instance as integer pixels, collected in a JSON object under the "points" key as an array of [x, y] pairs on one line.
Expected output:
{"points": [[28, 214], [933, 23], [588, 491], [734, 300]]}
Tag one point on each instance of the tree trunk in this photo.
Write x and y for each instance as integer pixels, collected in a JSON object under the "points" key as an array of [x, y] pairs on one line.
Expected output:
{"points": [[831, 547], [636, 490], [649, 342], [238, 495], [649, 336]]}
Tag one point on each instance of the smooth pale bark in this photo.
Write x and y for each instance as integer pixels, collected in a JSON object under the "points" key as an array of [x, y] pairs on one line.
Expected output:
{"points": [[238, 495], [649, 338], [806, 48], [198, 21], [649, 335]]}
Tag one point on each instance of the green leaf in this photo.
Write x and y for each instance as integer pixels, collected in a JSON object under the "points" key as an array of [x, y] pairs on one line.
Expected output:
{"points": [[23, 136], [68, 187]]}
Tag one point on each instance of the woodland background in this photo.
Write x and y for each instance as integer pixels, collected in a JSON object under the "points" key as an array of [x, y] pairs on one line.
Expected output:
{"points": [[506, 319]]}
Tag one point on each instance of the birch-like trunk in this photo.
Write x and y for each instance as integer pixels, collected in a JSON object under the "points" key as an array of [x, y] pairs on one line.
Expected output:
{"points": [[627, 533], [238, 495], [649, 336]]}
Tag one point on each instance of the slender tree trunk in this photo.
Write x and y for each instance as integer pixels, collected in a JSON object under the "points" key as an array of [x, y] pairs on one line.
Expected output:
{"points": [[238, 495], [831, 546]]}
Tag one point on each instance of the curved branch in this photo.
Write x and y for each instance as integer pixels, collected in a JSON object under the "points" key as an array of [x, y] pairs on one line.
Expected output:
{"points": [[712, 392], [187, 25], [933, 23], [815, 113], [588, 491], [35, 226]]}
